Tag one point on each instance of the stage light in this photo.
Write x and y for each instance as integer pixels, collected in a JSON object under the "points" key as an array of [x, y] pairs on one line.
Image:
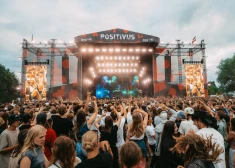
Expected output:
{"points": [[90, 49], [124, 50], [137, 49], [136, 64], [131, 64], [124, 58], [101, 57], [144, 50], [110, 50], [117, 49], [111, 58], [150, 50], [130, 50], [84, 50], [102, 64], [97, 49], [133, 57], [134, 70], [128, 58], [99, 70], [119, 58], [124, 64], [115, 64], [115, 58], [119, 70], [91, 69], [137, 57], [104, 49], [119, 64], [111, 64], [97, 58], [107, 64], [127, 64]]}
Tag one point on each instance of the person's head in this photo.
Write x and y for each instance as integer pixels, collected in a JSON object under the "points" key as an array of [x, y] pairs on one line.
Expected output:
{"points": [[35, 138], [80, 119], [61, 146], [26, 118], [193, 146], [203, 119], [62, 110], [21, 138], [114, 116], [137, 124], [130, 155], [14, 120], [169, 129], [90, 141]]}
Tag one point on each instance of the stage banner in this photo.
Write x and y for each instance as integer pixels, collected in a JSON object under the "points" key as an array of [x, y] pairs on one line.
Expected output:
{"points": [[35, 82], [194, 80]]}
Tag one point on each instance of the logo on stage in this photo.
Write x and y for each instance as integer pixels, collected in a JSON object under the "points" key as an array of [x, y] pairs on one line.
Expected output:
{"points": [[117, 36]]}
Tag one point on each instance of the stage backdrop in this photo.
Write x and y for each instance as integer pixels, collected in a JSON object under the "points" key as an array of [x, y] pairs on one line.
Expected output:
{"points": [[194, 80], [35, 82]]}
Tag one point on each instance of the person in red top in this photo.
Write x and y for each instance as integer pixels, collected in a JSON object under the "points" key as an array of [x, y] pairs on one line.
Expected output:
{"points": [[50, 135]]}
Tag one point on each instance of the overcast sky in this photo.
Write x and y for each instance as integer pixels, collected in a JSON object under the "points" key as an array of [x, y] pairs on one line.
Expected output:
{"points": [[211, 20]]}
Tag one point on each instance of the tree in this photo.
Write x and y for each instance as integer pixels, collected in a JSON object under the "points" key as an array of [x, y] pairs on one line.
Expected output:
{"points": [[212, 88], [226, 74], [8, 85]]}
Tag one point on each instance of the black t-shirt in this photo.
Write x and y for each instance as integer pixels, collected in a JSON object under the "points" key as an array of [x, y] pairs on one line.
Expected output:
{"points": [[103, 160], [62, 126], [110, 137], [23, 127]]}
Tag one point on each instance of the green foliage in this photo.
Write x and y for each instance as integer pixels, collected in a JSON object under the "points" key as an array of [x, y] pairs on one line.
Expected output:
{"points": [[226, 74], [212, 88], [8, 85]]}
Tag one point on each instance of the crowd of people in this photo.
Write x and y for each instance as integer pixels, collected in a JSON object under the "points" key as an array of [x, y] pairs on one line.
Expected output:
{"points": [[161, 132]]}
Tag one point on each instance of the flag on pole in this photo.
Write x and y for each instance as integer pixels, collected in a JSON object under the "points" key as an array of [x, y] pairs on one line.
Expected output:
{"points": [[32, 38], [194, 40]]}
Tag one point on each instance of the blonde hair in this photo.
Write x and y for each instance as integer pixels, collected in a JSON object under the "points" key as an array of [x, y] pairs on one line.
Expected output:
{"points": [[90, 141], [1, 121], [29, 140]]}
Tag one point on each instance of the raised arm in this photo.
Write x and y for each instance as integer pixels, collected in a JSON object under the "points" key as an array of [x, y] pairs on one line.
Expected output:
{"points": [[94, 115], [87, 101], [119, 119], [97, 121], [145, 117]]}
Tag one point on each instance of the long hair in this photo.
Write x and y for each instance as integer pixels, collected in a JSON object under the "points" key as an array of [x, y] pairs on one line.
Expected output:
{"points": [[60, 152], [21, 138], [80, 120], [136, 127], [197, 147], [232, 124], [90, 141], [29, 140], [108, 124]]}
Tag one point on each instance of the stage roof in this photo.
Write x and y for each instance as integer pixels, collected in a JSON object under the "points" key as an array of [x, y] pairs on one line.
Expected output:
{"points": [[117, 36]]}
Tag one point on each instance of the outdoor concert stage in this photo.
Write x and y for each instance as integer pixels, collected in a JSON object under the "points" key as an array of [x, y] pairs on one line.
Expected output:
{"points": [[113, 63]]}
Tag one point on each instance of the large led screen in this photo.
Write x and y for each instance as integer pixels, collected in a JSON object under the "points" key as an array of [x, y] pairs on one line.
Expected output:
{"points": [[194, 80], [117, 86], [35, 82]]}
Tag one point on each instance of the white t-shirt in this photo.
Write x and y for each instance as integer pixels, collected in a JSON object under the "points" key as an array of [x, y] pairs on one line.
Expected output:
{"points": [[129, 118], [120, 138], [186, 126], [149, 133], [157, 120], [217, 138]]}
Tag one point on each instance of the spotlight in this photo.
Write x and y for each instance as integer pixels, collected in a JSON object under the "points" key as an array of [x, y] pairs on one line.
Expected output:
{"points": [[144, 50], [111, 58], [133, 57], [104, 49], [128, 58], [115, 58], [119, 58], [137, 57], [110, 50], [130, 50], [124, 58], [84, 50], [97, 49], [137, 49], [117, 49], [150, 50], [101, 57], [124, 50], [90, 50], [97, 58]]}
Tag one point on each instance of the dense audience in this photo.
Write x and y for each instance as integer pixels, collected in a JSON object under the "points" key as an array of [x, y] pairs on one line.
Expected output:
{"points": [[161, 132]]}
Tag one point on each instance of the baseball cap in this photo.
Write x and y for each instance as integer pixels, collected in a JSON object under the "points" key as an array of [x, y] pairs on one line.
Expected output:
{"points": [[13, 118], [181, 115], [188, 110]]}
